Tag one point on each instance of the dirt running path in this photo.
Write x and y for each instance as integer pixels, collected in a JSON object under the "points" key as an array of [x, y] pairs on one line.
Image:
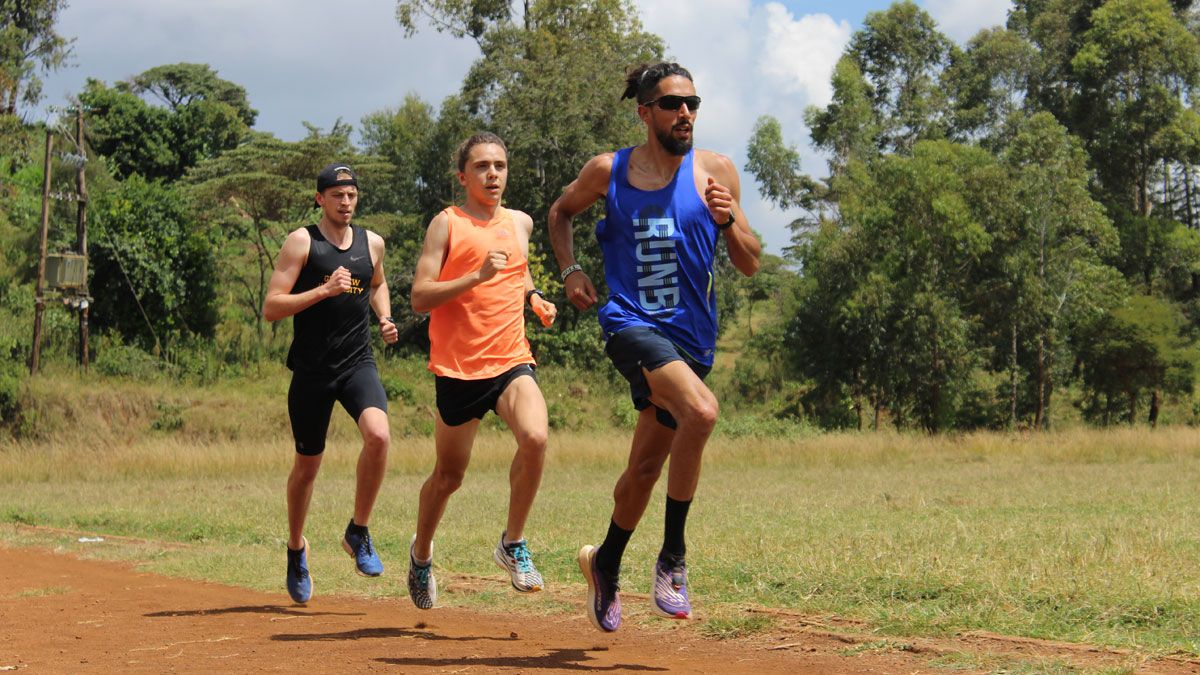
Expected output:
{"points": [[62, 614]]}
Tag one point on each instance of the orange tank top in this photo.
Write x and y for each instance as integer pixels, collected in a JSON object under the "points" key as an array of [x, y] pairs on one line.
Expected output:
{"points": [[480, 333]]}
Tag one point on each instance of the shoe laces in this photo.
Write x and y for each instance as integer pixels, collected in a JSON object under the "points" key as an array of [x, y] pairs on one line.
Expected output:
{"points": [[421, 574], [365, 547], [520, 552], [296, 568]]}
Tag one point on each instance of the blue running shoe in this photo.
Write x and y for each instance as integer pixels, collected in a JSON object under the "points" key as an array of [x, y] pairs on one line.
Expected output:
{"points": [[604, 600], [670, 590], [515, 559], [299, 584], [422, 587], [359, 546]]}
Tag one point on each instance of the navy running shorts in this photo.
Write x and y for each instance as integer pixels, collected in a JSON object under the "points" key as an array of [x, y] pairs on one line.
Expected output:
{"points": [[460, 401], [640, 347], [311, 397]]}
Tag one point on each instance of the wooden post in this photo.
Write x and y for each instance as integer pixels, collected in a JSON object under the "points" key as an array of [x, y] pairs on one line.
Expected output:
{"points": [[39, 301], [81, 232]]}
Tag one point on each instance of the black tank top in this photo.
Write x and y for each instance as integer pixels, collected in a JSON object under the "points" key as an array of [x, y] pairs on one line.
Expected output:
{"points": [[333, 335]]}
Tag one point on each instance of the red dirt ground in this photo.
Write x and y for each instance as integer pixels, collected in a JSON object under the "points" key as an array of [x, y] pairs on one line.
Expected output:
{"points": [[59, 613]]}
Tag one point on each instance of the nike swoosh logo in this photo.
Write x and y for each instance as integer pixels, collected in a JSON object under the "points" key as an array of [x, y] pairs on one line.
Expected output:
{"points": [[353, 259]]}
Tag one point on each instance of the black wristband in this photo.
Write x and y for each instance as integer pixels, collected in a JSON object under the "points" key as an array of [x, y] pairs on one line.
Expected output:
{"points": [[387, 319], [529, 295], [727, 224]]}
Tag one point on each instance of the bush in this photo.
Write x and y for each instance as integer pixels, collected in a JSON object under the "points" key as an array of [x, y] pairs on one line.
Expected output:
{"points": [[120, 360]]}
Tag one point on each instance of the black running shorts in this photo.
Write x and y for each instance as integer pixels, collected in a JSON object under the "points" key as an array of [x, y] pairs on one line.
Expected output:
{"points": [[311, 397], [640, 347], [460, 401]]}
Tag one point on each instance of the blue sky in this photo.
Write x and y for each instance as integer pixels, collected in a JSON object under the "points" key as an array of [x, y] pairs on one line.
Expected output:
{"points": [[749, 58]]}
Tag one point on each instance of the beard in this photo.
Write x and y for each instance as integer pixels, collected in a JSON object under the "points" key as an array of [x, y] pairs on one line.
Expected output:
{"points": [[673, 145]]}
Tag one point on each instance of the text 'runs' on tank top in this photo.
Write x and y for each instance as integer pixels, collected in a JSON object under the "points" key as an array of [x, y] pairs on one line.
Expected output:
{"points": [[659, 248]]}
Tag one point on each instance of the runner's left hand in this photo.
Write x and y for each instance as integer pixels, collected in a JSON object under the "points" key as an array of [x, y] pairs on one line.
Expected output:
{"points": [[719, 201], [545, 310], [390, 333]]}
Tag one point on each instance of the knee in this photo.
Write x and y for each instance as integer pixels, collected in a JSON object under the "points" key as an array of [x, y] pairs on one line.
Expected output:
{"points": [[447, 481], [304, 473], [701, 414], [532, 442], [645, 474], [376, 438]]}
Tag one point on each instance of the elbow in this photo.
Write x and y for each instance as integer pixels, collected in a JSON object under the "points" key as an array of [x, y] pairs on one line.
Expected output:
{"points": [[749, 267], [418, 303], [270, 313]]}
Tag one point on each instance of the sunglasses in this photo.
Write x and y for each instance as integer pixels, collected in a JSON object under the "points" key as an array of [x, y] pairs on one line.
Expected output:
{"points": [[672, 102]]}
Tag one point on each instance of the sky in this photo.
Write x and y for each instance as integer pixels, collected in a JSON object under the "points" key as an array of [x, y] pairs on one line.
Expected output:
{"points": [[748, 58]]}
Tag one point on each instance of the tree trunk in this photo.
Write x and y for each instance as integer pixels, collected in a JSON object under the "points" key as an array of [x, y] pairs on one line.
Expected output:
{"points": [[1155, 398], [1132, 407], [1039, 415], [1012, 377]]}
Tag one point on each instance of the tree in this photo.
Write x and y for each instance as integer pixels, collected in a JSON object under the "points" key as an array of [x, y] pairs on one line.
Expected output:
{"points": [[1136, 349], [901, 55], [256, 193], [1054, 246], [28, 43], [988, 84], [179, 85], [154, 272], [204, 116]]}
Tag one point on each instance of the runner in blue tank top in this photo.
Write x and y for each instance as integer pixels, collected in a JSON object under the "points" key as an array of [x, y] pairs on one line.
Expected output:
{"points": [[666, 207]]}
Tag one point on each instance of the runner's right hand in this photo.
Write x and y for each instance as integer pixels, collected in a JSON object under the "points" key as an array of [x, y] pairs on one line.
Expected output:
{"points": [[495, 261], [579, 289], [338, 282]]}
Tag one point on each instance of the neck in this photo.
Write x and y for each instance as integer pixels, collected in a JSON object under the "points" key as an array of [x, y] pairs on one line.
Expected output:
{"points": [[480, 210], [654, 156], [333, 231]]}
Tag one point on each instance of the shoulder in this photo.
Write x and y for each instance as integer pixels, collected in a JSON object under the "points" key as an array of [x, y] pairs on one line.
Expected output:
{"points": [[297, 241], [374, 240], [716, 164], [439, 222], [597, 172], [521, 219]]}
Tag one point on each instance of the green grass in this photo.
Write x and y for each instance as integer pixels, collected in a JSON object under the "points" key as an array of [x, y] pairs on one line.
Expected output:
{"points": [[1081, 536]]}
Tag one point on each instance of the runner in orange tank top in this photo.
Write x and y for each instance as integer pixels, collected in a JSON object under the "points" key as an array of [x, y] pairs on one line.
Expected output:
{"points": [[473, 278]]}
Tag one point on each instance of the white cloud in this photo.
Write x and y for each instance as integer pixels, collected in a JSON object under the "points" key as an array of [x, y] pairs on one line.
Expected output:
{"points": [[799, 54], [962, 19]]}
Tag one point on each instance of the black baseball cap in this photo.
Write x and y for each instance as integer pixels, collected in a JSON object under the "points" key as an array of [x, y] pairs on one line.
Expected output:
{"points": [[329, 176]]}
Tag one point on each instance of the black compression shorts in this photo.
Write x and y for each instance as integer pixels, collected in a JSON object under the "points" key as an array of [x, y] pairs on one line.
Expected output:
{"points": [[311, 397]]}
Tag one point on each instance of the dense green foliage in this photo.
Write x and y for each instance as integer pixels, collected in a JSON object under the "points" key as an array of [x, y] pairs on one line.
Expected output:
{"points": [[1008, 234], [1003, 225]]}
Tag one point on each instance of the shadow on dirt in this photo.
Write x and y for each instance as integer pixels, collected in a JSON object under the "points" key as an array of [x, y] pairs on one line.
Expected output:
{"points": [[558, 659], [249, 609], [376, 633]]}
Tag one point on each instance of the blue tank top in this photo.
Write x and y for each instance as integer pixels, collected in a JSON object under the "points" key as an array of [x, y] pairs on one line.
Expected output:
{"points": [[658, 251]]}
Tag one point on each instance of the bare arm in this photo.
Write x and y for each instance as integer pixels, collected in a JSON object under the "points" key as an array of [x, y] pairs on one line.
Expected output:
{"points": [[381, 298], [427, 291], [723, 195], [590, 186], [545, 310], [280, 302]]}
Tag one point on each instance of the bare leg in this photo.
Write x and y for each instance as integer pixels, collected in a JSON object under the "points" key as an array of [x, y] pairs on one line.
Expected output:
{"points": [[372, 462], [299, 494], [679, 391], [683, 394], [453, 455], [651, 446], [523, 409]]}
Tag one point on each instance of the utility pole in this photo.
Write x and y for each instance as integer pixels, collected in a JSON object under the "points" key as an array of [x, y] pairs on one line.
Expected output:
{"points": [[81, 233], [39, 301]]}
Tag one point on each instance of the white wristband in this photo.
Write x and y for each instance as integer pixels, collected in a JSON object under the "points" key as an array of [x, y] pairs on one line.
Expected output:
{"points": [[571, 269]]}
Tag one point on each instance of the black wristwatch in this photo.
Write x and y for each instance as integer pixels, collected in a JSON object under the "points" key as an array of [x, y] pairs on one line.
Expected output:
{"points": [[727, 224], [529, 295], [387, 319]]}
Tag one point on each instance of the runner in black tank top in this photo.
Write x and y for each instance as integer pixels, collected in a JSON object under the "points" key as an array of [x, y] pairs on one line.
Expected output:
{"points": [[334, 335], [329, 276]]}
